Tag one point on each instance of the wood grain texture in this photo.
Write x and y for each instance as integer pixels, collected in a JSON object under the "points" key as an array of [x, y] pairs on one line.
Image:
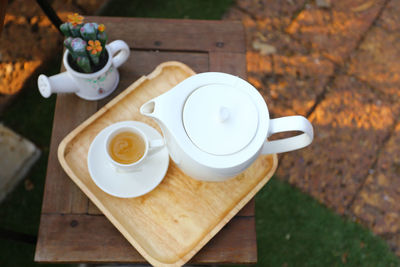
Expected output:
{"points": [[69, 199], [169, 225], [233, 244], [248, 209], [112, 247], [93, 210], [173, 34], [229, 63]]}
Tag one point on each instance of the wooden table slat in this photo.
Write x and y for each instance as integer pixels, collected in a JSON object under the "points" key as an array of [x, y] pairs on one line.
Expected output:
{"points": [[176, 35], [231, 63], [58, 234], [93, 210], [248, 209], [60, 193]]}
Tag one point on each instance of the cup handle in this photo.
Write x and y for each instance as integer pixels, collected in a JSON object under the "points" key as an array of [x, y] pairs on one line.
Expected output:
{"points": [[155, 146], [286, 124], [122, 48]]}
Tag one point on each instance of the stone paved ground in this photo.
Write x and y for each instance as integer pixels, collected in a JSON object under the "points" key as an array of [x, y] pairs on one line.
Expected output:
{"points": [[338, 63], [335, 61], [29, 39]]}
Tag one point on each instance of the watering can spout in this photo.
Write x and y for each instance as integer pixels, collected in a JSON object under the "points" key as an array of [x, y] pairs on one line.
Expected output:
{"points": [[60, 83]]}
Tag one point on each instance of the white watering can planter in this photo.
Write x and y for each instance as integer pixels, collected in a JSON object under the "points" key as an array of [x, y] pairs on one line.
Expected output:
{"points": [[89, 86]]}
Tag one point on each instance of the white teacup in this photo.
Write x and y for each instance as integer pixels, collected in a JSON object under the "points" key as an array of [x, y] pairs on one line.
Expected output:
{"points": [[150, 147]]}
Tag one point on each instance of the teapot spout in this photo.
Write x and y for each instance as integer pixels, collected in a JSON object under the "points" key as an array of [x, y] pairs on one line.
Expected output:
{"points": [[148, 109], [165, 114], [160, 111]]}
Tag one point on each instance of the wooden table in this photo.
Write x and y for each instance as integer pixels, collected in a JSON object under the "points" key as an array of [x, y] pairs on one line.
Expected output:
{"points": [[72, 229]]}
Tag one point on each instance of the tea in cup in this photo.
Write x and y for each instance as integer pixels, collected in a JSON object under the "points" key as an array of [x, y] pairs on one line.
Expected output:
{"points": [[127, 147]]}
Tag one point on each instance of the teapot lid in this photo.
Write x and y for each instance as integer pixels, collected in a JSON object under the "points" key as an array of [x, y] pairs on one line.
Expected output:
{"points": [[220, 119]]}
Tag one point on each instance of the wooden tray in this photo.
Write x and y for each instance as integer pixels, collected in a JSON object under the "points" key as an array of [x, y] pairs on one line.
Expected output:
{"points": [[169, 225]]}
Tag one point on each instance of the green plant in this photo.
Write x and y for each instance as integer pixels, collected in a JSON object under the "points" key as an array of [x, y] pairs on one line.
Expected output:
{"points": [[85, 42]]}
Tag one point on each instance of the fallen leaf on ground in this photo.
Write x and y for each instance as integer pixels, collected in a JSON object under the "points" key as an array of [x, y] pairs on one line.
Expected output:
{"points": [[363, 7], [323, 3], [265, 49], [261, 36]]}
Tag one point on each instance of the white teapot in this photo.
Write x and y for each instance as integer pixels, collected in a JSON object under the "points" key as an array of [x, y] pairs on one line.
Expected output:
{"points": [[216, 124]]}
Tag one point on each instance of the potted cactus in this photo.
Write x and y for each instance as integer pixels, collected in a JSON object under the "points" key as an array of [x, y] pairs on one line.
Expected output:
{"points": [[90, 62], [85, 43]]}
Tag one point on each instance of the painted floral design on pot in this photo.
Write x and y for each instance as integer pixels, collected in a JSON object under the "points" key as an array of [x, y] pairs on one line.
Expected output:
{"points": [[99, 84]]}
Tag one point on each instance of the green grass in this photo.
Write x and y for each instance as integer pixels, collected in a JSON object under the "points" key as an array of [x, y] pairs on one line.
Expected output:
{"points": [[295, 230], [292, 228], [179, 9]]}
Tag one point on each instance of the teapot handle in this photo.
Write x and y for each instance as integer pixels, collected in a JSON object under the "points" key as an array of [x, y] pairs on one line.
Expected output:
{"points": [[286, 124]]}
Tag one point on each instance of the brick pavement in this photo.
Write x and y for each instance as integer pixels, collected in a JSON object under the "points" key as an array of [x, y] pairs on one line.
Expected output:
{"points": [[336, 62]]}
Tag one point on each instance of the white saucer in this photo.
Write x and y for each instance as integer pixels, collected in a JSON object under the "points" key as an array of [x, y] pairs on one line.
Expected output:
{"points": [[127, 184]]}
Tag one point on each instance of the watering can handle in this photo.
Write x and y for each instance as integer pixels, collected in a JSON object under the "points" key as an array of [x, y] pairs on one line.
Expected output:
{"points": [[123, 49]]}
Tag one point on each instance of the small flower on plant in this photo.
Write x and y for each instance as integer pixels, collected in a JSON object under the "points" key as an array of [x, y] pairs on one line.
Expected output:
{"points": [[94, 47], [101, 28], [75, 19]]}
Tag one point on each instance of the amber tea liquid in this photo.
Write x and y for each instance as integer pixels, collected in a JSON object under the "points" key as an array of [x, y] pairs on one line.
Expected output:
{"points": [[127, 147]]}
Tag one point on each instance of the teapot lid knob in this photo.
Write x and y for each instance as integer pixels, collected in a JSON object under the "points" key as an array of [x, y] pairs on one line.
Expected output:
{"points": [[223, 114]]}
